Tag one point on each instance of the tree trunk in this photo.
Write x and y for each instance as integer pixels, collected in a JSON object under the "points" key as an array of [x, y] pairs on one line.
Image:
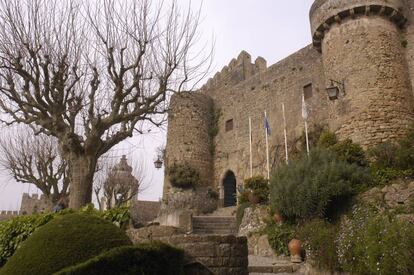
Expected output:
{"points": [[82, 171]]}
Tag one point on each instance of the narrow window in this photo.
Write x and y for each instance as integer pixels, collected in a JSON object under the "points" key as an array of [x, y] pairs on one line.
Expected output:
{"points": [[229, 125], [307, 91]]}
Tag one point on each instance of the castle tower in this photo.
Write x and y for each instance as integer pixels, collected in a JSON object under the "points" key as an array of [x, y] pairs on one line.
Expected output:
{"points": [[361, 46], [189, 142]]}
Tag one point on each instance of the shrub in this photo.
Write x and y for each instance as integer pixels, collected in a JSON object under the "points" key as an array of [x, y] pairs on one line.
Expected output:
{"points": [[314, 186], [351, 152], [64, 241], [14, 231], [319, 238], [118, 216], [327, 139], [279, 237], [371, 243], [143, 259], [258, 187], [183, 176]]}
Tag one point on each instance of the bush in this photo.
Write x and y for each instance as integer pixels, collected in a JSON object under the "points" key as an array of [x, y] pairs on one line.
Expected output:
{"points": [[143, 259], [279, 237], [14, 231], [371, 243], [351, 152], [118, 216], [315, 186], [66, 240], [319, 240], [258, 186], [327, 139], [183, 176]]}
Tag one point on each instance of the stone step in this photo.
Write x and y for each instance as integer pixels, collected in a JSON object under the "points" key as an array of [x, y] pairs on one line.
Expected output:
{"points": [[267, 265]]}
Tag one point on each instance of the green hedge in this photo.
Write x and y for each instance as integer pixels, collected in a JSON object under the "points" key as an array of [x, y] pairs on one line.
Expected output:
{"points": [[14, 231], [64, 241], [144, 259]]}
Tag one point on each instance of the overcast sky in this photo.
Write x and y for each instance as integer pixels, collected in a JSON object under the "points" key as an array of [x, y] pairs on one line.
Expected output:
{"points": [[273, 29]]}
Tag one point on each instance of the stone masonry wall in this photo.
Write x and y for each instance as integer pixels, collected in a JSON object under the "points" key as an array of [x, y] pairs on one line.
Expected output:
{"points": [[366, 53], [34, 204], [266, 90], [222, 255], [408, 41]]}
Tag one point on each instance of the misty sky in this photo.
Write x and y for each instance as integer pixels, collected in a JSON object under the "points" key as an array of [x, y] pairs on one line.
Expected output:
{"points": [[273, 29]]}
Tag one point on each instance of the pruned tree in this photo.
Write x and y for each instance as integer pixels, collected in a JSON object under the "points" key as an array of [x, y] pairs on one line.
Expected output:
{"points": [[35, 160], [90, 73]]}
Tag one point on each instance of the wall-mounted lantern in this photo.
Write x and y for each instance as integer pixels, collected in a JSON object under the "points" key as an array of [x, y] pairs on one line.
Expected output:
{"points": [[158, 163], [334, 89]]}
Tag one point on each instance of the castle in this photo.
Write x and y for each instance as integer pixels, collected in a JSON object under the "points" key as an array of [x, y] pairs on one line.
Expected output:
{"points": [[362, 53]]}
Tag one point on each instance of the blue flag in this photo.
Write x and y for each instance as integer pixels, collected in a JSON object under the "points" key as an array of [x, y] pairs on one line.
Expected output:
{"points": [[267, 126]]}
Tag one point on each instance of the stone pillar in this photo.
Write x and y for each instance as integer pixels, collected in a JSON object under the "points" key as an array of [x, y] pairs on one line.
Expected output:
{"points": [[361, 45]]}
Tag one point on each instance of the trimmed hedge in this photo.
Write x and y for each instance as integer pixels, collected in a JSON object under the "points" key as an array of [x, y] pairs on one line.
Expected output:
{"points": [[144, 259], [64, 241]]}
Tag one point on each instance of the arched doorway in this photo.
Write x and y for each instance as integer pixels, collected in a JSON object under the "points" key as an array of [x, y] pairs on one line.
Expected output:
{"points": [[229, 186]]}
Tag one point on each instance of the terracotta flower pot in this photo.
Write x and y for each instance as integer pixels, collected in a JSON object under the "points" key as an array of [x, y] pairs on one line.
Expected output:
{"points": [[295, 251], [277, 218]]}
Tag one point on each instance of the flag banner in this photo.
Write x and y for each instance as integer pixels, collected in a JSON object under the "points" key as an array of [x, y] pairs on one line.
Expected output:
{"points": [[267, 126], [304, 109]]}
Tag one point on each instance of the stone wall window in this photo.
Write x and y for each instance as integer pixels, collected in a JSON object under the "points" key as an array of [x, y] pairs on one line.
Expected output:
{"points": [[229, 125], [307, 91]]}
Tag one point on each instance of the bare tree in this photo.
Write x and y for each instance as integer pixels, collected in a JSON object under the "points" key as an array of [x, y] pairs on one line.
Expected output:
{"points": [[90, 73], [35, 160], [118, 184]]}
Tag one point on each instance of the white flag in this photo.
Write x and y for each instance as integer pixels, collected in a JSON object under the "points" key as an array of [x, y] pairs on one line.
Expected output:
{"points": [[304, 109]]}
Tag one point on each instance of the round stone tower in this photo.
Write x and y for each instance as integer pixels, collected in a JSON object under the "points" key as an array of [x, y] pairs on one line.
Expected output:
{"points": [[189, 142], [363, 54]]}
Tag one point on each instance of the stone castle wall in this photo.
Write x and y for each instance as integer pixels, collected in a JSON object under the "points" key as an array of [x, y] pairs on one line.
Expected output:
{"points": [[366, 44], [34, 204]]}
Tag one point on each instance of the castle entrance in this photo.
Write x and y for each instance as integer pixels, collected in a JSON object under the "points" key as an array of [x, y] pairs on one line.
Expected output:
{"points": [[229, 186]]}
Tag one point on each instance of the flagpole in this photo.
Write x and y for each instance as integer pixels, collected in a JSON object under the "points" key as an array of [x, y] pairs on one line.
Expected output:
{"points": [[284, 130], [267, 148], [305, 117], [307, 138], [250, 147]]}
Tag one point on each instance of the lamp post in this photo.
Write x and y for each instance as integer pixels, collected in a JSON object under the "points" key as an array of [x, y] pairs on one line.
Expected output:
{"points": [[158, 163], [334, 89]]}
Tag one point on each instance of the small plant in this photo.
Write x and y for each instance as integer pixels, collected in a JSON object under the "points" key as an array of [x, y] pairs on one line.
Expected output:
{"points": [[118, 216], [183, 176], [257, 187], [279, 237], [372, 243], [212, 194], [319, 240]]}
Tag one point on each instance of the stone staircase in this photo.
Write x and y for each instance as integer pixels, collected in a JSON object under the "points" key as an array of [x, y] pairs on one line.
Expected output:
{"points": [[214, 225]]}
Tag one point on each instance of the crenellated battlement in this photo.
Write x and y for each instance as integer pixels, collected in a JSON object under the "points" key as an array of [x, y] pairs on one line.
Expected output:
{"points": [[237, 71], [34, 204], [5, 215]]}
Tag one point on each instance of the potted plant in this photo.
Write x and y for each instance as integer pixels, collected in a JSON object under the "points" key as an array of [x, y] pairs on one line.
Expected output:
{"points": [[295, 249]]}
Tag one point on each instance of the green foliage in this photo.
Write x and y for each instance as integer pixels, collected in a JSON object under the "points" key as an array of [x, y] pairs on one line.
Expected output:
{"points": [[383, 176], [313, 136], [14, 231], [259, 187], [183, 176], [64, 241], [240, 212], [319, 240], [212, 194], [313, 186], [143, 259], [327, 139], [371, 243], [243, 196], [118, 216], [351, 152], [279, 237]]}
